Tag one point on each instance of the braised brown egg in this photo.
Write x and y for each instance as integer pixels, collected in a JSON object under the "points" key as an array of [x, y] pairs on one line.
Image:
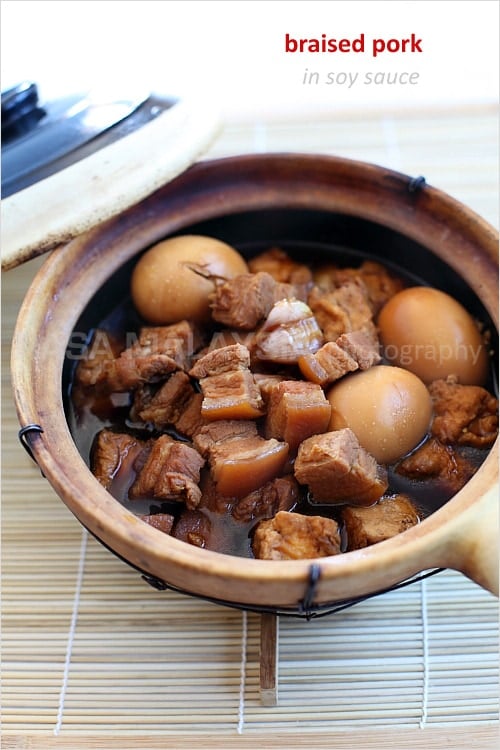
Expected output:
{"points": [[171, 281], [429, 333], [388, 408]]}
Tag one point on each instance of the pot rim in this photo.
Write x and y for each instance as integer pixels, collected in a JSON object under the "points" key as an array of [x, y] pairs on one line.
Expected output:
{"points": [[48, 316]]}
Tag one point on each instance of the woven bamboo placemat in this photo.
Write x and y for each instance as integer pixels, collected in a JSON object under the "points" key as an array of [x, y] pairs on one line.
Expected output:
{"points": [[93, 657]]}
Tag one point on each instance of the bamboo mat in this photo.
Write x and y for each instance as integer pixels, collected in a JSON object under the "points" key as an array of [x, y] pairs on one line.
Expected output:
{"points": [[95, 658]]}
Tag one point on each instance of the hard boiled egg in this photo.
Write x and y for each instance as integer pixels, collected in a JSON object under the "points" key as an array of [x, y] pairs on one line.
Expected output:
{"points": [[169, 282], [388, 409], [429, 333]]}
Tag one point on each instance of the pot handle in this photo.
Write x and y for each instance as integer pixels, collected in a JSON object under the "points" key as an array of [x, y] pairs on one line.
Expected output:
{"points": [[476, 542]]}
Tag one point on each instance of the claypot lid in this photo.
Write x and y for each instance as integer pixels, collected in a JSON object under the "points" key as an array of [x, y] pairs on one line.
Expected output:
{"points": [[153, 139]]}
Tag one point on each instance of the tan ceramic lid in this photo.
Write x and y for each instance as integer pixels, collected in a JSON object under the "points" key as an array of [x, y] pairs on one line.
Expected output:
{"points": [[60, 207]]}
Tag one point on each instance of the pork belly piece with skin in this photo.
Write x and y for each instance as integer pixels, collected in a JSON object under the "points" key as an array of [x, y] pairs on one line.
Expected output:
{"points": [[279, 494], [242, 464], [379, 283], [244, 301], [295, 411], [338, 470], [463, 414], [289, 331], [389, 516], [171, 471], [350, 352], [266, 383], [281, 267], [216, 432], [228, 385], [169, 402], [220, 360], [177, 341], [363, 346], [434, 460], [113, 452], [240, 460], [190, 421], [231, 395], [161, 521], [93, 367], [329, 364], [342, 310], [158, 351], [293, 536]]}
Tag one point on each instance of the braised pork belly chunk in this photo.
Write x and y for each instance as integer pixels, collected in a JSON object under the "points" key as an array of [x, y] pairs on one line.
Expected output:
{"points": [[383, 520], [156, 352], [357, 350], [230, 433], [228, 386], [296, 410], [464, 414], [111, 453], [440, 462], [293, 536], [280, 494], [281, 267], [342, 310], [171, 471], [336, 469], [378, 282], [167, 404], [246, 300]]}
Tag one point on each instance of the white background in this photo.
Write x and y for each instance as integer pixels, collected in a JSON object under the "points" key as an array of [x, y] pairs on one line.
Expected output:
{"points": [[233, 52]]}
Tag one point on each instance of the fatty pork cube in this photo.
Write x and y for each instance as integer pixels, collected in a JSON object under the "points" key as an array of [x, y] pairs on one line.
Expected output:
{"points": [[168, 403], [242, 464], [158, 351], [212, 433], [350, 352], [337, 469], [92, 369], [112, 453], [463, 414], [388, 517], [281, 266], [279, 494], [293, 536], [434, 460], [245, 300], [341, 310], [380, 284], [171, 472], [161, 521], [295, 411], [190, 421], [363, 346], [228, 386], [327, 365], [231, 395]]}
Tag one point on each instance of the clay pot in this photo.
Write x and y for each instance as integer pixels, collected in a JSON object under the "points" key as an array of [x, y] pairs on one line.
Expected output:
{"points": [[253, 201]]}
